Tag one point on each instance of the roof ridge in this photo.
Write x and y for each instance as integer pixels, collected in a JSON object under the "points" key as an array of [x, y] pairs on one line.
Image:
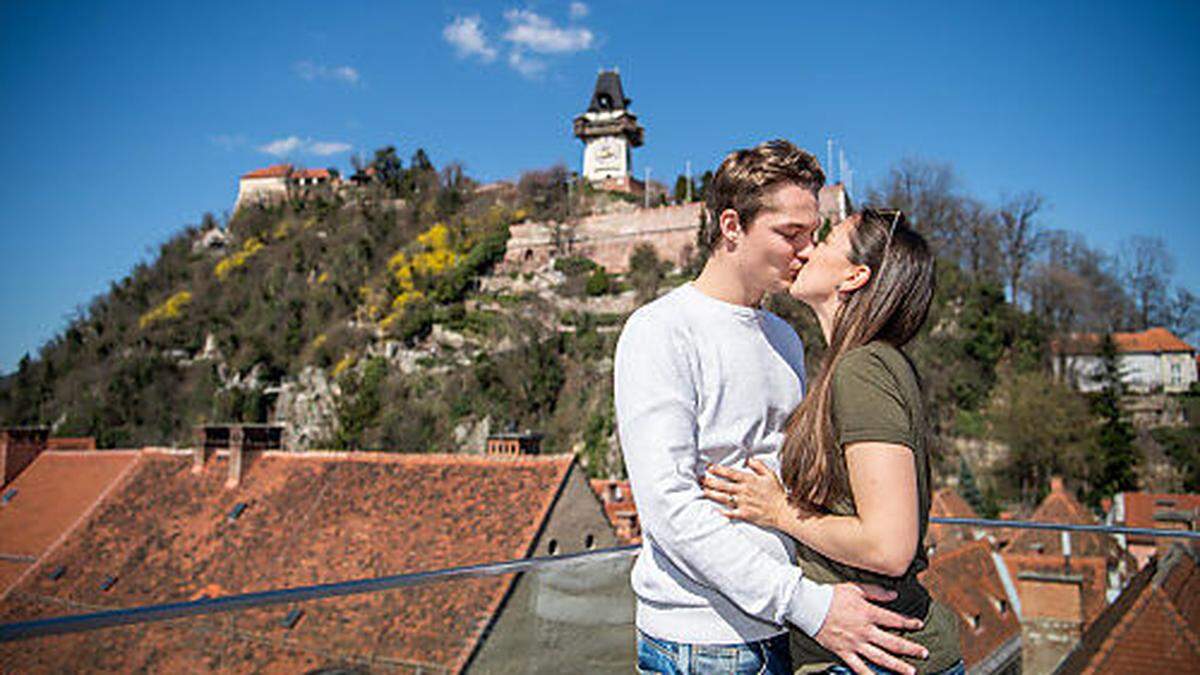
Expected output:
{"points": [[959, 550], [421, 457]]}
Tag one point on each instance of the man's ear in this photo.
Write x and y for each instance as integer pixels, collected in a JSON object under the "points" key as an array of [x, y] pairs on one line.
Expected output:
{"points": [[731, 226], [858, 277]]}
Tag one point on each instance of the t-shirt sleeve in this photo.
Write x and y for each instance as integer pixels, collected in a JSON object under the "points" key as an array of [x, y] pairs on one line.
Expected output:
{"points": [[869, 402]]}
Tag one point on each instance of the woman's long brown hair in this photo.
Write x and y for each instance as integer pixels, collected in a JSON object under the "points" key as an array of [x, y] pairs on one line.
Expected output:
{"points": [[891, 306]]}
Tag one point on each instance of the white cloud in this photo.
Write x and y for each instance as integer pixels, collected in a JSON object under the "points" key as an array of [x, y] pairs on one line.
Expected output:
{"points": [[465, 33], [310, 71], [528, 67], [325, 148], [535, 32], [282, 146], [579, 10], [228, 141], [295, 145]]}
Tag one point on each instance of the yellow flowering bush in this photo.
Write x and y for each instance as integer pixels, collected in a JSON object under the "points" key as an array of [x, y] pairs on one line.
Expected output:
{"points": [[231, 262], [171, 308], [343, 365]]}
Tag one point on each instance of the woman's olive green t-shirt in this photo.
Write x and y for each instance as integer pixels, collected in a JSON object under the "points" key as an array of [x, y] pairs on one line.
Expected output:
{"points": [[876, 397]]}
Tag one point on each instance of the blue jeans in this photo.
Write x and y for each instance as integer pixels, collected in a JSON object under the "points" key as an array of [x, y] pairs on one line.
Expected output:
{"points": [[771, 656], [956, 669]]}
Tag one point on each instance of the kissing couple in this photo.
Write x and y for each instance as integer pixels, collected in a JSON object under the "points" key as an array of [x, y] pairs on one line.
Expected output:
{"points": [[783, 519]]}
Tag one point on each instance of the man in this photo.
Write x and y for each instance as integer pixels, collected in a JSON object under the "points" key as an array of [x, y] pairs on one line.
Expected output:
{"points": [[702, 375]]}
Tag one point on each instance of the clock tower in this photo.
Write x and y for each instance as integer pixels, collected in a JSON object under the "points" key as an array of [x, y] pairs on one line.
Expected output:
{"points": [[609, 133]]}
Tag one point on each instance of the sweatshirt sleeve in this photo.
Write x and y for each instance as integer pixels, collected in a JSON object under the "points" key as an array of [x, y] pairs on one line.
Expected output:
{"points": [[656, 398]]}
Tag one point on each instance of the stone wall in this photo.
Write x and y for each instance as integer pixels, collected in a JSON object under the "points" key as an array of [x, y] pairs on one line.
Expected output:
{"points": [[608, 239]]}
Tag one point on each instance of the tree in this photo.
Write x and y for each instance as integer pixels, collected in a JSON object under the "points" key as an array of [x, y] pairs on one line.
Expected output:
{"points": [[1146, 266], [646, 272], [681, 189], [1020, 237], [969, 488], [926, 192], [706, 180], [1046, 426], [1115, 455], [388, 169], [1073, 288]]}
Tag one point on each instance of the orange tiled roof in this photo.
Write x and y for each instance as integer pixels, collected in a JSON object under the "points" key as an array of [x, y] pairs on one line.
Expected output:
{"points": [[966, 581], [946, 503], [1061, 507], [273, 171], [311, 518], [1142, 507], [312, 173], [617, 498], [53, 495], [1154, 626], [1153, 340]]}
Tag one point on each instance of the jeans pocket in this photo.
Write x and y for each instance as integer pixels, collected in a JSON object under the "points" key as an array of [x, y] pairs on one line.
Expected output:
{"points": [[654, 656]]}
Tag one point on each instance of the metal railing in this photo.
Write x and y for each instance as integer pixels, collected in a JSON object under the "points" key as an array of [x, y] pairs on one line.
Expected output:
{"points": [[162, 612]]}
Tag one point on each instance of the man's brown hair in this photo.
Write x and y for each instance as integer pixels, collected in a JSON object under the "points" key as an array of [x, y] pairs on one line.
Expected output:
{"points": [[745, 176]]}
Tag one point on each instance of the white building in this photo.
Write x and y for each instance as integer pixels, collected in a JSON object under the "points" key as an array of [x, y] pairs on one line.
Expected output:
{"points": [[264, 185], [1151, 361]]}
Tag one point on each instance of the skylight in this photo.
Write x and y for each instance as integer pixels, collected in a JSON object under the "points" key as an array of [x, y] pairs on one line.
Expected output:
{"points": [[237, 511]]}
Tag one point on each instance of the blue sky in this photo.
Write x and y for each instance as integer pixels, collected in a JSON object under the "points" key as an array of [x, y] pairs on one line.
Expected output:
{"points": [[125, 121]]}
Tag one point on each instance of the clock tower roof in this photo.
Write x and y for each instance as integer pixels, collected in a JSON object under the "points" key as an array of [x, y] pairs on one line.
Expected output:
{"points": [[608, 95]]}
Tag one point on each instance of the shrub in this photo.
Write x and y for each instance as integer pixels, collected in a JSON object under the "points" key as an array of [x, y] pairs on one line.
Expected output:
{"points": [[599, 283]]}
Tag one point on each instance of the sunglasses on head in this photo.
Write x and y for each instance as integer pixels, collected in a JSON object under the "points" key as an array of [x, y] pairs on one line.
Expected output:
{"points": [[895, 215]]}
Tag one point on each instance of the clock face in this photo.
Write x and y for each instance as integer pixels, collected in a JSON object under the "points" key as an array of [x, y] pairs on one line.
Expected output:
{"points": [[608, 153]]}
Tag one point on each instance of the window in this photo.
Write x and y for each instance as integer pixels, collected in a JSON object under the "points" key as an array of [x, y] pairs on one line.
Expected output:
{"points": [[552, 547], [589, 542]]}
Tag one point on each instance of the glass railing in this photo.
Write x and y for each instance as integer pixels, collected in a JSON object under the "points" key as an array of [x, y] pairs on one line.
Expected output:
{"points": [[571, 613]]}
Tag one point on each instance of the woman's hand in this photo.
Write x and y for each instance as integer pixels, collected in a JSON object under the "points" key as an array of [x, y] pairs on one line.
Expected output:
{"points": [[755, 496]]}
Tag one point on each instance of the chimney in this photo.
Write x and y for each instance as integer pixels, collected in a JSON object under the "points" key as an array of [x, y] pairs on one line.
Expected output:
{"points": [[237, 456], [1056, 484], [19, 446]]}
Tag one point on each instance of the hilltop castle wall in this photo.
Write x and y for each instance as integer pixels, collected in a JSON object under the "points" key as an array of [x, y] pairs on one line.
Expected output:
{"points": [[608, 239]]}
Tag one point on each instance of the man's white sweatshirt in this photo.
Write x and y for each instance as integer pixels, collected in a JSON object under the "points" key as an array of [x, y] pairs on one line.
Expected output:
{"points": [[699, 381]]}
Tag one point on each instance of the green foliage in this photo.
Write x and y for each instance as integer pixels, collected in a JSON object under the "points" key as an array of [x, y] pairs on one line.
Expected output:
{"points": [[359, 407], [969, 490], [646, 272], [1046, 426], [1115, 456], [599, 283], [1183, 447], [575, 266]]}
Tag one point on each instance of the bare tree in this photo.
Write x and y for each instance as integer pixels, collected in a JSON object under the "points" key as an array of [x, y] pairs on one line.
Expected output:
{"points": [[926, 192], [1075, 287], [1146, 268], [1020, 236], [979, 236]]}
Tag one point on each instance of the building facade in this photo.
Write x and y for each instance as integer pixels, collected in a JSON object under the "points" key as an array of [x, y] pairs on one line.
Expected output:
{"points": [[1154, 360]]}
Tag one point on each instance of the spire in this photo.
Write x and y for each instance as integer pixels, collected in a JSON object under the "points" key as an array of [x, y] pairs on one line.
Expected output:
{"points": [[608, 95]]}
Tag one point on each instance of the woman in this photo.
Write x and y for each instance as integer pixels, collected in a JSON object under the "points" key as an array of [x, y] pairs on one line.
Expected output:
{"points": [[855, 458]]}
